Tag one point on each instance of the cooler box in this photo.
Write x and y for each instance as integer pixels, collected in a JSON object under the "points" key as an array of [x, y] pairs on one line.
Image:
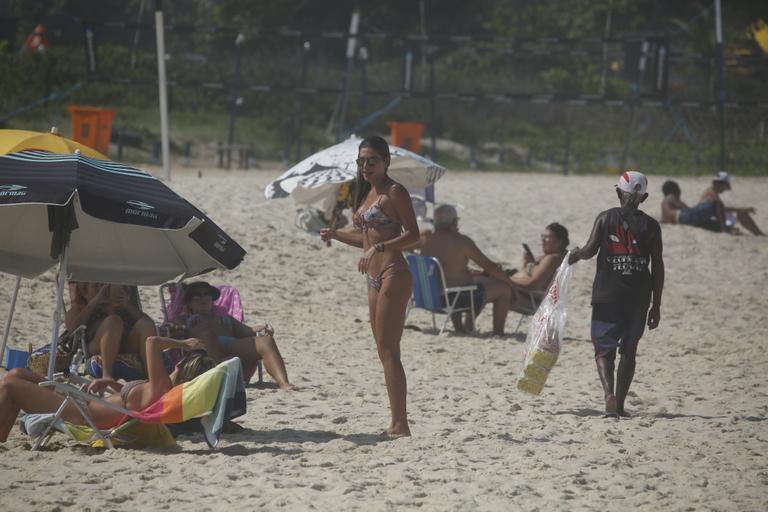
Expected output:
{"points": [[406, 135], [92, 126]]}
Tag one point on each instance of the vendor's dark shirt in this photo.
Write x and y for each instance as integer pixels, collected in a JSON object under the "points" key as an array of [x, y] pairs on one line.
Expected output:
{"points": [[624, 256]]}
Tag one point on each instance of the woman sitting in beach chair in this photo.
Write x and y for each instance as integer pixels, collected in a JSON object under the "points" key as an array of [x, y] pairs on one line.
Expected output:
{"points": [[225, 336], [114, 323], [537, 273], [19, 389]]}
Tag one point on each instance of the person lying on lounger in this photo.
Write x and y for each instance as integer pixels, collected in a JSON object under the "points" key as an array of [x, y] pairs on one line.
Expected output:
{"points": [[114, 324], [224, 336], [19, 390]]}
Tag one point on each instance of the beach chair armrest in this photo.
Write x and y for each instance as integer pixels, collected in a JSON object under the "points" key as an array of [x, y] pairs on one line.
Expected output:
{"points": [[77, 394], [468, 288]]}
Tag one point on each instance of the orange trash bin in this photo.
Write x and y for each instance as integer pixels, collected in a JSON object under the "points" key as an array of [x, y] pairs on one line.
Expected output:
{"points": [[92, 126], [406, 135]]}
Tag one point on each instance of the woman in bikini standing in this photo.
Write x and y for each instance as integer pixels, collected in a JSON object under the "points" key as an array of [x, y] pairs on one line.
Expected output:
{"points": [[384, 224]]}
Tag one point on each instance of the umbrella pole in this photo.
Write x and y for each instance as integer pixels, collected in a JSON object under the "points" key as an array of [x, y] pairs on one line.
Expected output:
{"points": [[163, 90], [57, 315], [10, 318]]}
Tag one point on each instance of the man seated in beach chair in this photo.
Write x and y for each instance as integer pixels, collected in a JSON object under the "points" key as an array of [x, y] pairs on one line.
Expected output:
{"points": [[114, 322], [225, 336], [19, 389], [538, 273], [720, 184], [454, 250]]}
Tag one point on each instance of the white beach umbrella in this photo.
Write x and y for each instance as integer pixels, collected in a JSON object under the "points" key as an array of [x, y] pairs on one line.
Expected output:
{"points": [[319, 176]]}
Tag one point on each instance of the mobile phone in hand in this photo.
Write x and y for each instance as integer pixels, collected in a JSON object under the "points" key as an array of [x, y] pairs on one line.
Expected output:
{"points": [[528, 252]]}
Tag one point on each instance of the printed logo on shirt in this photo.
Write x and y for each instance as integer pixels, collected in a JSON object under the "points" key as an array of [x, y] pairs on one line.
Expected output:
{"points": [[624, 253]]}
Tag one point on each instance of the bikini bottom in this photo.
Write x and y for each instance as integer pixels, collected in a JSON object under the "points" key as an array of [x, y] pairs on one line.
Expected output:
{"points": [[388, 271]]}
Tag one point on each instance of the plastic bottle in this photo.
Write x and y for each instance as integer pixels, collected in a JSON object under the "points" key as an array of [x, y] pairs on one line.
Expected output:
{"points": [[74, 366]]}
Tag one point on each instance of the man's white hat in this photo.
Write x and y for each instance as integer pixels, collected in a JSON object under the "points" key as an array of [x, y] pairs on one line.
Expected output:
{"points": [[723, 177], [633, 182]]}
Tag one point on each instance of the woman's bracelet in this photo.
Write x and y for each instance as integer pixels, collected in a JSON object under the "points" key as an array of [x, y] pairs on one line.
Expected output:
{"points": [[379, 247]]}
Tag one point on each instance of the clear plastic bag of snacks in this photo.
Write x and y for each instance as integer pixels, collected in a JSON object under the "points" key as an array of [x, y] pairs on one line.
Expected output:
{"points": [[542, 346]]}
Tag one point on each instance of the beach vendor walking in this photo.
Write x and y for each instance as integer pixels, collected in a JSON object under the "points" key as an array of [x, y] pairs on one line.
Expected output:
{"points": [[624, 287], [384, 224]]}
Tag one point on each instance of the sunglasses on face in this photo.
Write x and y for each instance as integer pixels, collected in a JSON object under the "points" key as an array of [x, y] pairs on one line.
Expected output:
{"points": [[370, 161], [201, 297]]}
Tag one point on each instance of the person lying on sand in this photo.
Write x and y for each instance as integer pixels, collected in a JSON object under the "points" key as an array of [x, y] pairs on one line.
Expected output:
{"points": [[224, 336], [707, 214], [19, 389]]}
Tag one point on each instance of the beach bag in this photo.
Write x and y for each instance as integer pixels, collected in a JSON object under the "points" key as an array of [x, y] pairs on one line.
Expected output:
{"points": [[542, 345], [68, 343]]}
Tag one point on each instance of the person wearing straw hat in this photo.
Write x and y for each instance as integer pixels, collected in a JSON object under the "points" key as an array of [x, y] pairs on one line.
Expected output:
{"points": [[624, 287], [721, 183]]}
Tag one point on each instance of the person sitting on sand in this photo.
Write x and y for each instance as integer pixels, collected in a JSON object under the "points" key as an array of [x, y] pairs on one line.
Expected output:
{"points": [[114, 324], [707, 214], [454, 250], [538, 272], [224, 336], [720, 184], [19, 389]]}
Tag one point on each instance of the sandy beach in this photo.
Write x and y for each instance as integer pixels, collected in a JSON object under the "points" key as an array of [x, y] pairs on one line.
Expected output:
{"points": [[697, 439]]}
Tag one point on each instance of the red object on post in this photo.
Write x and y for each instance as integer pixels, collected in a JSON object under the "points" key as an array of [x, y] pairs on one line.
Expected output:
{"points": [[92, 126], [406, 135]]}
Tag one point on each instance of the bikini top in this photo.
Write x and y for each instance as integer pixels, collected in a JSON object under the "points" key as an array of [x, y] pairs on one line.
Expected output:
{"points": [[127, 388], [373, 217]]}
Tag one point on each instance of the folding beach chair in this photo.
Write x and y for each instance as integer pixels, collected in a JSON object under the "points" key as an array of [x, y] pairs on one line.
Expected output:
{"points": [[228, 303], [215, 396], [430, 292], [528, 306]]}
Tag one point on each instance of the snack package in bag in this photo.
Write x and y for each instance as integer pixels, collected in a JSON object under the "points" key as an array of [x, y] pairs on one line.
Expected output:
{"points": [[542, 346]]}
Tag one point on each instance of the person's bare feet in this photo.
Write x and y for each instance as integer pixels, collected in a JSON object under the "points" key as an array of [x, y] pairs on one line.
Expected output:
{"points": [[287, 387], [396, 431], [623, 413], [393, 435], [611, 408]]}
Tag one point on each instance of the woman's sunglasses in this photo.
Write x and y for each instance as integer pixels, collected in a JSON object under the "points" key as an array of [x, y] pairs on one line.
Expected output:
{"points": [[369, 161]]}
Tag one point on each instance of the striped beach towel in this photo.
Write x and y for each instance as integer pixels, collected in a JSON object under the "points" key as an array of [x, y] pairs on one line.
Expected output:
{"points": [[215, 396]]}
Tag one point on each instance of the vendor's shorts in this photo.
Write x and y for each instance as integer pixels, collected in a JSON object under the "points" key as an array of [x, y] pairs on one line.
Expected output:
{"points": [[464, 301], [618, 325], [703, 215]]}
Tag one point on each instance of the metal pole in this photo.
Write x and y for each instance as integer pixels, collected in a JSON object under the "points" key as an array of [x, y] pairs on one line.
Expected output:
{"points": [[604, 65], [136, 34], [236, 99], [432, 108], [354, 23], [636, 94], [300, 115], [10, 318], [720, 58], [364, 79], [63, 260], [163, 86]]}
